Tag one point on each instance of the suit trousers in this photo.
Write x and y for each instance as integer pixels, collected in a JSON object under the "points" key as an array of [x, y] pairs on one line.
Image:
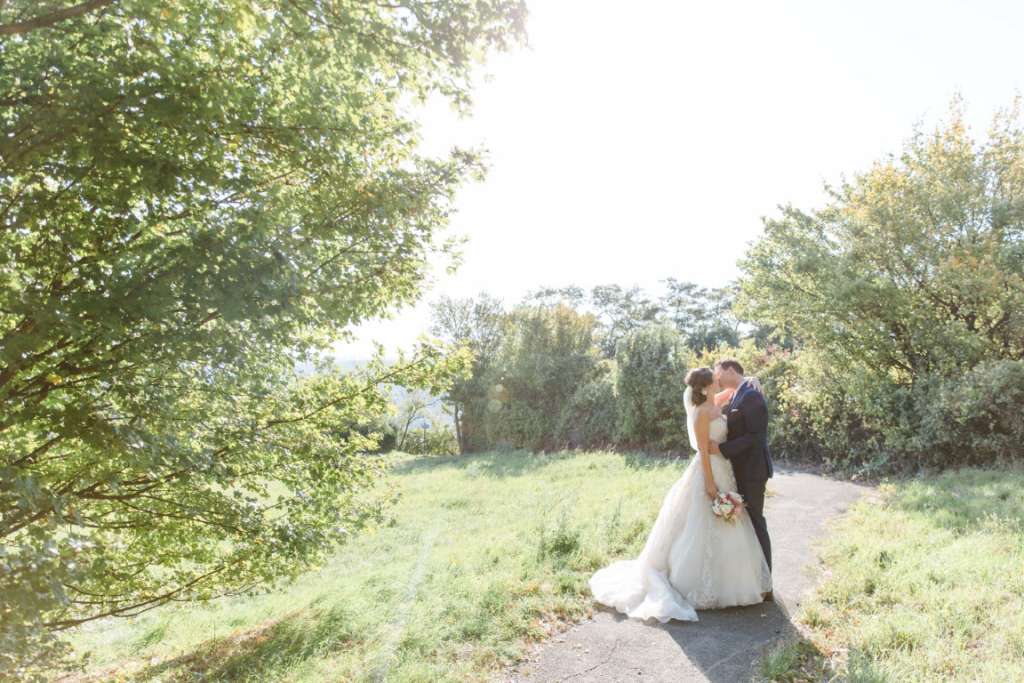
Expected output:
{"points": [[753, 497]]}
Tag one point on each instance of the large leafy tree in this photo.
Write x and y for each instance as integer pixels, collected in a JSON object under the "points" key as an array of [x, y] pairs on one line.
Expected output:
{"points": [[194, 196], [25, 17], [915, 267]]}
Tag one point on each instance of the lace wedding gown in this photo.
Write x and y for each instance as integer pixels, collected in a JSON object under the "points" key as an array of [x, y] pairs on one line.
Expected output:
{"points": [[692, 560]]}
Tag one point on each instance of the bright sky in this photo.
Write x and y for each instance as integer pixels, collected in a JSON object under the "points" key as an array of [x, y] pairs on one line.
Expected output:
{"points": [[634, 141]]}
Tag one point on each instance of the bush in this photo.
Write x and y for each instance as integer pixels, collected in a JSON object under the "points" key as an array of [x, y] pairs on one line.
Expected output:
{"points": [[904, 294], [548, 353], [854, 419], [652, 364], [972, 420], [437, 440], [822, 413], [591, 417]]}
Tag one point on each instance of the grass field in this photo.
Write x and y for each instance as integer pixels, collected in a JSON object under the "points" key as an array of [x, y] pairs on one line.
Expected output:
{"points": [[483, 554], [926, 585]]}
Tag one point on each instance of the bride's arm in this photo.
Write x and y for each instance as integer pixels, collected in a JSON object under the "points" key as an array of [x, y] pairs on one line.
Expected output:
{"points": [[702, 430], [723, 397]]}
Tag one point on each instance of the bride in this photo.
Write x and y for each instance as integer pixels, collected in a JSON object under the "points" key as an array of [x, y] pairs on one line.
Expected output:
{"points": [[692, 559]]}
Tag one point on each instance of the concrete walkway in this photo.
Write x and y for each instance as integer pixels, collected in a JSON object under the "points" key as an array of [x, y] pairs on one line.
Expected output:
{"points": [[724, 645]]}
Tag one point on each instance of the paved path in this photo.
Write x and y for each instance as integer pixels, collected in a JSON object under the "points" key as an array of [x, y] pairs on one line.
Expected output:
{"points": [[725, 644]]}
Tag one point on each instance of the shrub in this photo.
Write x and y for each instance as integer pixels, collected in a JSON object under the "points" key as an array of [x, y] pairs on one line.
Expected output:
{"points": [[905, 295], [971, 420], [856, 419], [652, 364], [548, 353], [823, 413], [591, 417], [436, 440]]}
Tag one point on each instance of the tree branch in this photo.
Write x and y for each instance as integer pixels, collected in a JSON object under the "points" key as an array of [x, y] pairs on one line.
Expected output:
{"points": [[48, 20], [132, 609]]}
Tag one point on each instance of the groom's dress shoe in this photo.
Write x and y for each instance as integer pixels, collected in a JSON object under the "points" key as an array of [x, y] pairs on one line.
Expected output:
{"points": [[768, 597]]}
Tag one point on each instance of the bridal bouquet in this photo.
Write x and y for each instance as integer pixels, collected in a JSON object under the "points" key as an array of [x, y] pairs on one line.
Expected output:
{"points": [[727, 506]]}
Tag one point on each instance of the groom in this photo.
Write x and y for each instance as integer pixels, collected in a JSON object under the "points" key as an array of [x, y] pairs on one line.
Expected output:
{"points": [[747, 445]]}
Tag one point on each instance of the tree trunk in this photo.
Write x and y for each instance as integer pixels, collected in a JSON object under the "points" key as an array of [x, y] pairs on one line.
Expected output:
{"points": [[458, 429], [405, 432]]}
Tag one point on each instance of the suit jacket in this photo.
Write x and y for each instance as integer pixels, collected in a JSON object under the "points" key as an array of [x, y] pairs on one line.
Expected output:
{"points": [[747, 444]]}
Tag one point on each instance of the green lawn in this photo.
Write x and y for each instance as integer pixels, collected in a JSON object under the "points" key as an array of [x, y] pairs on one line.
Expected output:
{"points": [[925, 585], [483, 554]]}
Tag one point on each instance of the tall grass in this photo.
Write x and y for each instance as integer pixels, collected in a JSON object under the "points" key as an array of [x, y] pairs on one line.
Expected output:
{"points": [[925, 585], [482, 555]]}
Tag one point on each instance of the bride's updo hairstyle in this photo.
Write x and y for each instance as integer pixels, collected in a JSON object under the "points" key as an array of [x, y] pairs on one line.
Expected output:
{"points": [[698, 379]]}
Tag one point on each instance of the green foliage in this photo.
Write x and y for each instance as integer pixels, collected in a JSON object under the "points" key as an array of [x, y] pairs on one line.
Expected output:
{"points": [[591, 417], [433, 440], [652, 364], [703, 316], [971, 420], [821, 415], [903, 295], [479, 324], [548, 352], [194, 197], [792, 661], [621, 312], [533, 387], [559, 542], [916, 267]]}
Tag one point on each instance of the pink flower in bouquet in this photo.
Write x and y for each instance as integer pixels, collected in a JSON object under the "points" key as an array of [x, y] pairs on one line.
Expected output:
{"points": [[727, 506]]}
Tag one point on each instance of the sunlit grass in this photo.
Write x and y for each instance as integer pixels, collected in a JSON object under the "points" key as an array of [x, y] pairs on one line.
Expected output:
{"points": [[483, 555], [926, 584]]}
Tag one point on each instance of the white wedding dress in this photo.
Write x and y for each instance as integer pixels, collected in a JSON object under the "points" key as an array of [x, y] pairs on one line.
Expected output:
{"points": [[692, 560]]}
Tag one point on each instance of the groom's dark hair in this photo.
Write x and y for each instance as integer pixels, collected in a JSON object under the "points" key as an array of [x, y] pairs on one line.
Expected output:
{"points": [[730, 364]]}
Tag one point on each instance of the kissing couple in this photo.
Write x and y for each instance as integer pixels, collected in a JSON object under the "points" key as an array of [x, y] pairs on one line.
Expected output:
{"points": [[695, 559]]}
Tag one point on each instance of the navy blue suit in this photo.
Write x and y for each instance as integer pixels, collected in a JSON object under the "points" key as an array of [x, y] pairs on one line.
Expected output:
{"points": [[746, 448]]}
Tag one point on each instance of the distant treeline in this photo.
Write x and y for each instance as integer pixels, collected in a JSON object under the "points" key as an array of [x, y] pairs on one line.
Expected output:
{"points": [[568, 368], [887, 328]]}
